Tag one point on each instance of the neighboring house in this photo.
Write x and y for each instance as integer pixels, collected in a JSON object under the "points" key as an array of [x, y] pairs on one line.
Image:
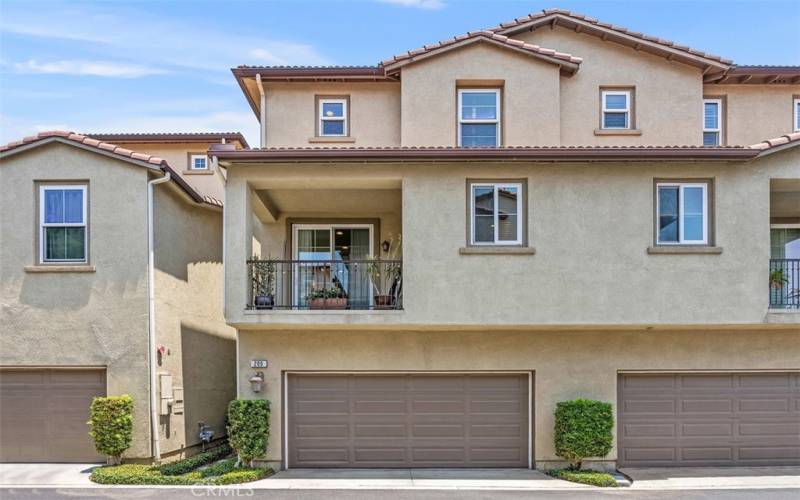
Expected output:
{"points": [[76, 318], [586, 211]]}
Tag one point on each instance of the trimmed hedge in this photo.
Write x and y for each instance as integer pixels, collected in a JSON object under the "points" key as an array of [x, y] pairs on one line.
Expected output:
{"points": [[189, 464], [219, 468], [149, 475], [594, 478], [583, 428], [248, 427], [111, 424]]}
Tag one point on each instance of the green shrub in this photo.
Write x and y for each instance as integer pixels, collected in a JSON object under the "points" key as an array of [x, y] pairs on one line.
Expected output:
{"points": [[248, 427], [112, 425], [594, 478], [242, 476], [583, 428], [219, 468], [195, 461], [140, 474]]}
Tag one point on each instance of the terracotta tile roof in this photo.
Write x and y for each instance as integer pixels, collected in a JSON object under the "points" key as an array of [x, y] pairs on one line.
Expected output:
{"points": [[756, 74], [547, 15], [553, 55], [792, 139], [122, 153]]}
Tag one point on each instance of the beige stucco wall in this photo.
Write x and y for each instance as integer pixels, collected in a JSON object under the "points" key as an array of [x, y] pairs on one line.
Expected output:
{"points": [[567, 364], [756, 112], [94, 319], [591, 225], [530, 96], [292, 114], [209, 183], [200, 347], [668, 95]]}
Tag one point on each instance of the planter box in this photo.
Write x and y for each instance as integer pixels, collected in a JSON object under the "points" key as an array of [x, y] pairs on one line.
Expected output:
{"points": [[340, 303], [384, 301]]}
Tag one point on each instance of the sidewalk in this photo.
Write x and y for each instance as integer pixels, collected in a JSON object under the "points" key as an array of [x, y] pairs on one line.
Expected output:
{"points": [[684, 478], [46, 474]]}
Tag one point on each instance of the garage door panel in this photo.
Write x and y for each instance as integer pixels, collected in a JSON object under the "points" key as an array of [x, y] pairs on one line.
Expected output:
{"points": [[409, 420], [721, 419], [43, 414]]}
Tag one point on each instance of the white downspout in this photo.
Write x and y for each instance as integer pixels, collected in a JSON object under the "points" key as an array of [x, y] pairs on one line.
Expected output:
{"points": [[263, 110], [151, 327]]}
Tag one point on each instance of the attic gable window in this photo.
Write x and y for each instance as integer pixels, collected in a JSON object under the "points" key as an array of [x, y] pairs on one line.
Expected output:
{"points": [[198, 162], [478, 118], [616, 109]]}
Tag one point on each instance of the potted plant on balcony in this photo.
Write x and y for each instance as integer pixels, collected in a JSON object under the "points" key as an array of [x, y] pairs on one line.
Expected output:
{"points": [[777, 279], [262, 275], [327, 298], [386, 275]]}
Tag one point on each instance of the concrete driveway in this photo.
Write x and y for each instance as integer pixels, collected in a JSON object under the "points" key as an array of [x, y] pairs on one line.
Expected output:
{"points": [[673, 478], [46, 474], [453, 479]]}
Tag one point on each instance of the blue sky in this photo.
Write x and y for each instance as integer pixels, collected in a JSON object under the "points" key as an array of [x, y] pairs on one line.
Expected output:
{"points": [[165, 66]]}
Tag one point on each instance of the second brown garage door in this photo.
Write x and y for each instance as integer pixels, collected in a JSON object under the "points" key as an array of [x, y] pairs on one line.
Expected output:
{"points": [[709, 419], [408, 420], [43, 414]]}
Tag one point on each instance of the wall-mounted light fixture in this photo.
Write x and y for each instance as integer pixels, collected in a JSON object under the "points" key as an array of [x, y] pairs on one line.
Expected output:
{"points": [[386, 245], [257, 381]]}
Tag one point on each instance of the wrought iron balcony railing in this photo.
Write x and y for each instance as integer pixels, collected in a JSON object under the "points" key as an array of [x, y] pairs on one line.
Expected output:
{"points": [[784, 283], [325, 284]]}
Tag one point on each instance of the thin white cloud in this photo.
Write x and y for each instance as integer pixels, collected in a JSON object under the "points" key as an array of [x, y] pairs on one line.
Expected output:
{"points": [[87, 68], [417, 4]]}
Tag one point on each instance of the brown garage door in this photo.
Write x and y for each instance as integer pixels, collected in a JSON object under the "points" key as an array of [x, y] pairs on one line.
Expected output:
{"points": [[408, 420], [43, 414], [709, 419]]}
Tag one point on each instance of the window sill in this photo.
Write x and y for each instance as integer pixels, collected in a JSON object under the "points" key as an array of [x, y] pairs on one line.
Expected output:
{"points": [[684, 250], [197, 172], [497, 250], [621, 131], [60, 269], [332, 139]]}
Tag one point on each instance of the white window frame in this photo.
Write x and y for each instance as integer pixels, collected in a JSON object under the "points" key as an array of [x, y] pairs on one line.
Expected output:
{"points": [[718, 130], [481, 121], [681, 200], [322, 119], [627, 110], [496, 186], [42, 224], [796, 114], [192, 159]]}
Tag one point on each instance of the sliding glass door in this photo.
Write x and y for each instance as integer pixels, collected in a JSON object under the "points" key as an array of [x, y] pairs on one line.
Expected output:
{"points": [[331, 261]]}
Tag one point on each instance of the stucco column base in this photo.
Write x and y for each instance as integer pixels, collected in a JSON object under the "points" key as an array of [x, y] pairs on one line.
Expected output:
{"points": [[598, 465]]}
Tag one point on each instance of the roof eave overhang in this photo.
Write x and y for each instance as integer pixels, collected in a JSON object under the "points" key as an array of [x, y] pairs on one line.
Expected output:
{"points": [[566, 68], [683, 55], [477, 155]]}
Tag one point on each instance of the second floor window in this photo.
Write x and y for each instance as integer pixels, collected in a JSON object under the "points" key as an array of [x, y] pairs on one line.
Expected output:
{"points": [[62, 214], [712, 122], [616, 106], [797, 115], [198, 162], [332, 117], [682, 213], [496, 213], [478, 118]]}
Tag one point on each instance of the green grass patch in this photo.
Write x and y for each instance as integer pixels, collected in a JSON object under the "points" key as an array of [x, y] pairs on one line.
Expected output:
{"points": [[220, 473], [591, 477]]}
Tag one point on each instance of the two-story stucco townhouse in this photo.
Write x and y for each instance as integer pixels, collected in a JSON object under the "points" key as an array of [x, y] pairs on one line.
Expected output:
{"points": [[585, 211], [88, 310]]}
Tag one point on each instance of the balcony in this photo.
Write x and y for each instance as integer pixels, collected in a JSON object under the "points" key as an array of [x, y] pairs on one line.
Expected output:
{"points": [[325, 285], [784, 284]]}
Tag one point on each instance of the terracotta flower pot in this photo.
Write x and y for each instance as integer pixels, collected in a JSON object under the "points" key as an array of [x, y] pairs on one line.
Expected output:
{"points": [[384, 301], [337, 303]]}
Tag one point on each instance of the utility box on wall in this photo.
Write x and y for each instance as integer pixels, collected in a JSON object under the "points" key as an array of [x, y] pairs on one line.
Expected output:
{"points": [[164, 393]]}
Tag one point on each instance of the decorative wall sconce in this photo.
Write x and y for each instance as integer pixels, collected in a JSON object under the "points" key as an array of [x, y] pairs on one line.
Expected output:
{"points": [[386, 245], [257, 382]]}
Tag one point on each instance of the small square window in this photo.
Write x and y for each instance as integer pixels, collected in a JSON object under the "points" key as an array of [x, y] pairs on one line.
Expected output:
{"points": [[478, 118], [332, 117], [496, 213], [616, 109], [62, 223], [682, 213], [198, 162]]}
